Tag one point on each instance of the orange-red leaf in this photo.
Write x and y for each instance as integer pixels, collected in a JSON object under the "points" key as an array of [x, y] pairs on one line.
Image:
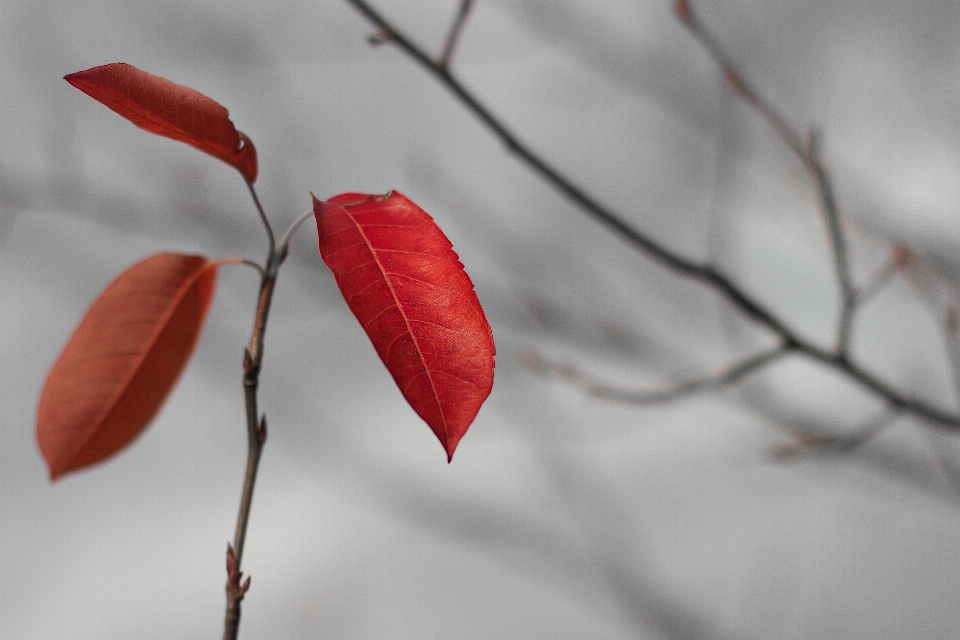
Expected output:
{"points": [[401, 278], [171, 110], [123, 360]]}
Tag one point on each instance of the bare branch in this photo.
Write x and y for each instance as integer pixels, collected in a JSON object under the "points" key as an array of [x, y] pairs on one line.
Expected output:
{"points": [[808, 154], [706, 274], [876, 281], [716, 382], [943, 461], [828, 205], [453, 36], [815, 444], [256, 437]]}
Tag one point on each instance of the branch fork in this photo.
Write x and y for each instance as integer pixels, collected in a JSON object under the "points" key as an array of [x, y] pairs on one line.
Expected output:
{"points": [[806, 148]]}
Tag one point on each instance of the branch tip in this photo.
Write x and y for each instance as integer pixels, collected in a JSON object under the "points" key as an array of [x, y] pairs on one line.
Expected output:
{"points": [[902, 257], [813, 144], [683, 11], [379, 38], [453, 35], [735, 83]]}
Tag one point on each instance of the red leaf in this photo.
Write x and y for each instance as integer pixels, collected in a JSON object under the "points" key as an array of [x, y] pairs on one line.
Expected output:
{"points": [[169, 110], [123, 360], [401, 278]]}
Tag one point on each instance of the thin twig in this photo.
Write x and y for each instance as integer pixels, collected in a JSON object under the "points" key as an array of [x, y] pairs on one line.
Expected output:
{"points": [[716, 382], [951, 333], [809, 156], [285, 238], [704, 273], [876, 281], [828, 205], [938, 442], [818, 444], [256, 432], [263, 217], [453, 36], [866, 379], [254, 264], [736, 82]]}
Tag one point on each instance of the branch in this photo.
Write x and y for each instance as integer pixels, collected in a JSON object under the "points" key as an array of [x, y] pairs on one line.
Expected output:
{"points": [[705, 274], [256, 430], [877, 281], [716, 382], [453, 36], [817, 444], [808, 154]]}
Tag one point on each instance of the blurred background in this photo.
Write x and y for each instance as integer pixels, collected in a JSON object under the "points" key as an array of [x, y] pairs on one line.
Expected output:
{"points": [[562, 515]]}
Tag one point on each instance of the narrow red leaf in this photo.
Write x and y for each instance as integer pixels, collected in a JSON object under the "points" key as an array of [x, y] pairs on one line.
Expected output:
{"points": [[399, 275], [171, 110], [123, 360]]}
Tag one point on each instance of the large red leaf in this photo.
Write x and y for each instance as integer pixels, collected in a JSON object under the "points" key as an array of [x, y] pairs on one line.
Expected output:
{"points": [[123, 360], [401, 278], [167, 109]]}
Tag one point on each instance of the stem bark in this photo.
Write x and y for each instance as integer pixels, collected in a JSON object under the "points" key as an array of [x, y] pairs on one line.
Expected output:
{"points": [[256, 437]]}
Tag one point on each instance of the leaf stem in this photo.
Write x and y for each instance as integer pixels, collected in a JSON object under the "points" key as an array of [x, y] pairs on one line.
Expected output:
{"points": [[263, 216], [254, 264], [285, 238]]}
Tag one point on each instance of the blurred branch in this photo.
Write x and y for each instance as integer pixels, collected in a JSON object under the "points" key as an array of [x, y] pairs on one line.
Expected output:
{"points": [[705, 274], [731, 375], [809, 155], [808, 443], [453, 36], [943, 460], [876, 281], [951, 331], [945, 463]]}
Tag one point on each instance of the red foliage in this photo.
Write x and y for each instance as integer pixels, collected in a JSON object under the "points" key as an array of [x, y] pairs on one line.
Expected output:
{"points": [[169, 110], [123, 360], [399, 275]]}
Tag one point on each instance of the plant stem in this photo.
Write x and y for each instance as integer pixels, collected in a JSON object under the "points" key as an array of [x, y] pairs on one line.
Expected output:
{"points": [[256, 435], [285, 238], [263, 217]]}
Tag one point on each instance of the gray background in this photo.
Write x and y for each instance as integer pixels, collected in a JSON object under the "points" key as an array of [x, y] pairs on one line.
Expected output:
{"points": [[561, 516]]}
